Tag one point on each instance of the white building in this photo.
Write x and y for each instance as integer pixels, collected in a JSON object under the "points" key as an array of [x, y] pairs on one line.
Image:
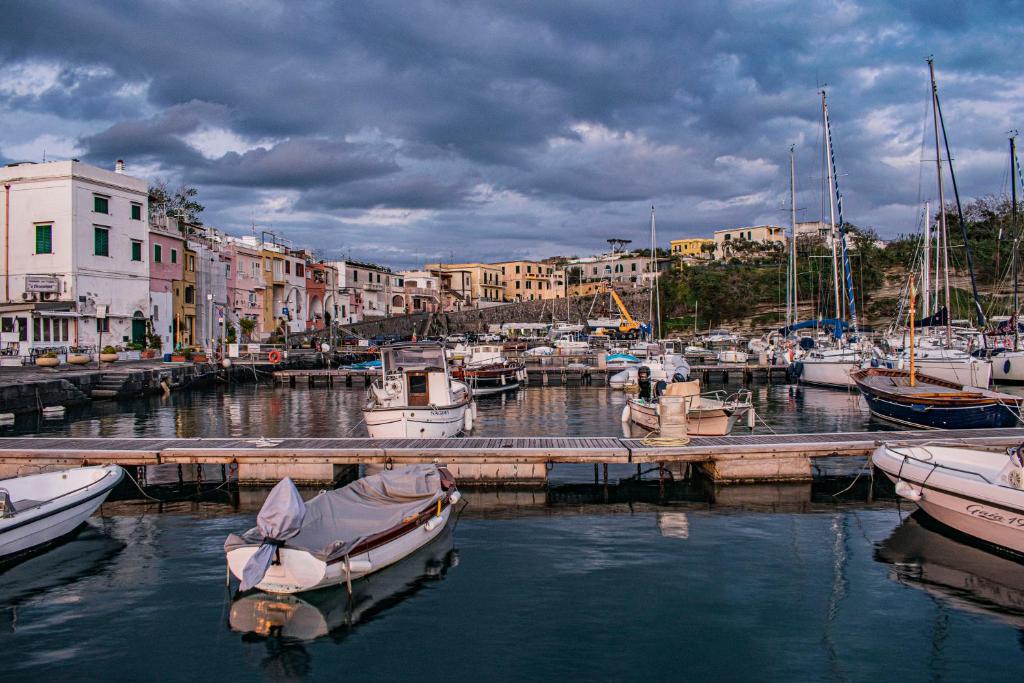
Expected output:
{"points": [[74, 253], [726, 240], [623, 269], [367, 284]]}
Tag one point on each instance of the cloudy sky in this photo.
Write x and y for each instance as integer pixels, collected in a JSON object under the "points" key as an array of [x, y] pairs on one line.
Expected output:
{"points": [[410, 131]]}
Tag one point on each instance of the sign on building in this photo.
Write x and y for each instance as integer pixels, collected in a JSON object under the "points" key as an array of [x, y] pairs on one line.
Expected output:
{"points": [[41, 283]]}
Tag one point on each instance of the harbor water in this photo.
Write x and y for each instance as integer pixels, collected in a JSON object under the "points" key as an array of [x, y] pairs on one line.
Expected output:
{"points": [[739, 583]]}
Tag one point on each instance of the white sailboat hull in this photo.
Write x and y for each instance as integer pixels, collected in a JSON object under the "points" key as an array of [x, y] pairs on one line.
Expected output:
{"points": [[1008, 368], [987, 510], [415, 422], [828, 373]]}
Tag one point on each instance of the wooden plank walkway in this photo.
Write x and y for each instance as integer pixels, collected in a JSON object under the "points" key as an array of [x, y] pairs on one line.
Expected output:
{"points": [[483, 450]]}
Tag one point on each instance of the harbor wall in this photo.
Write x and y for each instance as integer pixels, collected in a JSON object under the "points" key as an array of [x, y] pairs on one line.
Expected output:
{"points": [[478, 320]]}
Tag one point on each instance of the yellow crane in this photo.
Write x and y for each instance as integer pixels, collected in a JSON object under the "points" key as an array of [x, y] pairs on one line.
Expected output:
{"points": [[628, 326]]}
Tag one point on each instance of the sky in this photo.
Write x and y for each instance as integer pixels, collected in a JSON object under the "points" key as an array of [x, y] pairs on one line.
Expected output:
{"points": [[412, 132]]}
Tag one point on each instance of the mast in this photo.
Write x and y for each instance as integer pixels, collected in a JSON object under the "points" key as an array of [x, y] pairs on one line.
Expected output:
{"points": [[831, 207], [1016, 240], [792, 247], [656, 299], [926, 257], [847, 271], [943, 232], [959, 209], [913, 354]]}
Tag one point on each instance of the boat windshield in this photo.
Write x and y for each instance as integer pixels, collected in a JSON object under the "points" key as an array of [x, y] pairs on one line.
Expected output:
{"points": [[408, 357]]}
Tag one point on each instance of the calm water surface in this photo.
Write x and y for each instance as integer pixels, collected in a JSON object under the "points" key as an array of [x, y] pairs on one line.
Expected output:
{"points": [[735, 583]]}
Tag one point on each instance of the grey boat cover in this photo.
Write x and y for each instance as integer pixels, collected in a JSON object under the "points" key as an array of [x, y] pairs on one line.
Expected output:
{"points": [[329, 525]]}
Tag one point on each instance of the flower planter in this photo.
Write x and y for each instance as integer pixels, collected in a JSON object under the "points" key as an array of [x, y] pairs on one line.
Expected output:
{"points": [[108, 357], [79, 358], [149, 353], [199, 358], [132, 355], [47, 362], [177, 358]]}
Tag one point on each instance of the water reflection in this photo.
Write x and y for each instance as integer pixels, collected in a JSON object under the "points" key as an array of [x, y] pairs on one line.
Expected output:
{"points": [[964, 576], [330, 612]]}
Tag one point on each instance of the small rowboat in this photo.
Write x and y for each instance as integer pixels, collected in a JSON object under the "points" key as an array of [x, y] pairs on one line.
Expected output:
{"points": [[41, 508], [342, 535]]}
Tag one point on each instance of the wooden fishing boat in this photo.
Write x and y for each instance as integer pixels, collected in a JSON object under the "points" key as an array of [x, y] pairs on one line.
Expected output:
{"points": [[342, 535], [977, 492], [42, 508], [934, 403], [486, 370], [706, 415]]}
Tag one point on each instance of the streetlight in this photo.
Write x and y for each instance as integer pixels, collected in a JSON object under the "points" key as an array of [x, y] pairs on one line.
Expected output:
{"points": [[209, 326]]}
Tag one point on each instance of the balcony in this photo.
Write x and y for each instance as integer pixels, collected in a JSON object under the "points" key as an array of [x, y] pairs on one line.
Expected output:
{"points": [[372, 287]]}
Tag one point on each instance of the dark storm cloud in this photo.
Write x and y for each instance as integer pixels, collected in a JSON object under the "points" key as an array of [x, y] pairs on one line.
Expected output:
{"points": [[554, 123]]}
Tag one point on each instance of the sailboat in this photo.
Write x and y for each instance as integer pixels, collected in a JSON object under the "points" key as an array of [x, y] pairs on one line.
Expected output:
{"points": [[833, 367], [1008, 366]]}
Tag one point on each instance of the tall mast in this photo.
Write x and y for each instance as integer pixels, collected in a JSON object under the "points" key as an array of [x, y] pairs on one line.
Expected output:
{"points": [[655, 298], [792, 246], [851, 301], [831, 207], [1015, 237], [944, 233], [926, 281]]}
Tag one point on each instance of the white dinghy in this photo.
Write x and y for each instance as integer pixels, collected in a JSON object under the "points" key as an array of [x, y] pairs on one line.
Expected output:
{"points": [[41, 508], [977, 492], [342, 535]]}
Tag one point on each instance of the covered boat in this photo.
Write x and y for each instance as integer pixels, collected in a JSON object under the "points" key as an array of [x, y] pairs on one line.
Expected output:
{"points": [[41, 508], [339, 536], [922, 401], [977, 492], [416, 396]]}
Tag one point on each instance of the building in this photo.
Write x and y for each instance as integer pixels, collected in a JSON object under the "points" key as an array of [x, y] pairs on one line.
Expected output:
{"points": [[422, 291], [246, 285], [166, 270], [526, 280], [485, 284], [366, 286], [623, 270], [75, 257], [295, 300], [692, 247], [396, 294], [813, 229], [184, 303], [321, 294], [725, 240]]}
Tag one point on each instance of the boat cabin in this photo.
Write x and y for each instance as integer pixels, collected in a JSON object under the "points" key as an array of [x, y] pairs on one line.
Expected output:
{"points": [[413, 375]]}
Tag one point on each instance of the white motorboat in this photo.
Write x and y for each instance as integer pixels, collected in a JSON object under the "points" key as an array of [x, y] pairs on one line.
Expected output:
{"points": [[334, 612], [830, 367], [342, 535], [568, 345], [41, 508], [662, 369], [732, 356], [711, 414], [977, 492], [952, 365], [416, 396]]}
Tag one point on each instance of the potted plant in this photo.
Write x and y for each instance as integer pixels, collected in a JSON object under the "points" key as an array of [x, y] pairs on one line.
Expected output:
{"points": [[133, 352], [48, 360], [77, 356], [199, 356], [181, 355], [108, 354]]}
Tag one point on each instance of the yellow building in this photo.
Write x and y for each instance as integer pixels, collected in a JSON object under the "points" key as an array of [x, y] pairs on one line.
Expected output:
{"points": [[274, 294], [484, 280], [691, 247], [527, 280], [587, 288], [725, 240], [183, 301]]}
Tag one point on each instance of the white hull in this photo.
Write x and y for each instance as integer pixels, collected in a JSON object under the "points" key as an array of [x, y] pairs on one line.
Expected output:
{"points": [[828, 373], [732, 357], [415, 423], [989, 511], [299, 571], [38, 525], [1008, 368], [699, 422]]}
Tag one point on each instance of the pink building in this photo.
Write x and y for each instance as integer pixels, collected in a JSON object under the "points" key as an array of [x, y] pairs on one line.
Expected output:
{"points": [[245, 284], [166, 259]]}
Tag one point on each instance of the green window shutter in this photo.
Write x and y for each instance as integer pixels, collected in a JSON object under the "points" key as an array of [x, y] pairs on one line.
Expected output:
{"points": [[136, 212], [100, 204], [174, 255], [101, 241], [136, 251], [44, 239], [157, 253]]}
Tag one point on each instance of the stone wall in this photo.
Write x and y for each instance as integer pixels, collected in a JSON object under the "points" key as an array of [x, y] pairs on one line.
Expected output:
{"points": [[477, 320]]}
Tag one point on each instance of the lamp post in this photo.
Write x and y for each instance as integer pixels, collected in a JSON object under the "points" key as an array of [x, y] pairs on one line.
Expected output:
{"points": [[209, 326]]}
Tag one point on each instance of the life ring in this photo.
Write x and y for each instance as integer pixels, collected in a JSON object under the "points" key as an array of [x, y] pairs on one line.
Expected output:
{"points": [[274, 356]]}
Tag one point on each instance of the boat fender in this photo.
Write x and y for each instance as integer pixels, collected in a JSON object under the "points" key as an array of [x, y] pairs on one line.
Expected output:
{"points": [[908, 491], [625, 413], [433, 523], [454, 497], [468, 418], [473, 405]]}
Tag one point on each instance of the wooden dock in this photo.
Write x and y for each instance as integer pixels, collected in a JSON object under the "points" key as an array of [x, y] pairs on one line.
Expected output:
{"points": [[773, 457]]}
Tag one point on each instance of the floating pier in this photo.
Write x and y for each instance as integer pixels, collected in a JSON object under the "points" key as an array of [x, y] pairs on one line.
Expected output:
{"points": [[772, 457]]}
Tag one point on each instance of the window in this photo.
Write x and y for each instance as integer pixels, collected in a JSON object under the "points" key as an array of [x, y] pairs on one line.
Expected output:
{"points": [[227, 270], [190, 263], [266, 265], [529, 269], [100, 204], [518, 269], [288, 267], [355, 276], [136, 250], [156, 312], [633, 267], [103, 324], [255, 269], [44, 239], [252, 298], [190, 295], [300, 270], [157, 253], [101, 241], [174, 255], [529, 284], [136, 211]]}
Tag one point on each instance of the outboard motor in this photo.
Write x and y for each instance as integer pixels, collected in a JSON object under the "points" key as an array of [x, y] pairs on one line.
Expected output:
{"points": [[643, 379]]}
